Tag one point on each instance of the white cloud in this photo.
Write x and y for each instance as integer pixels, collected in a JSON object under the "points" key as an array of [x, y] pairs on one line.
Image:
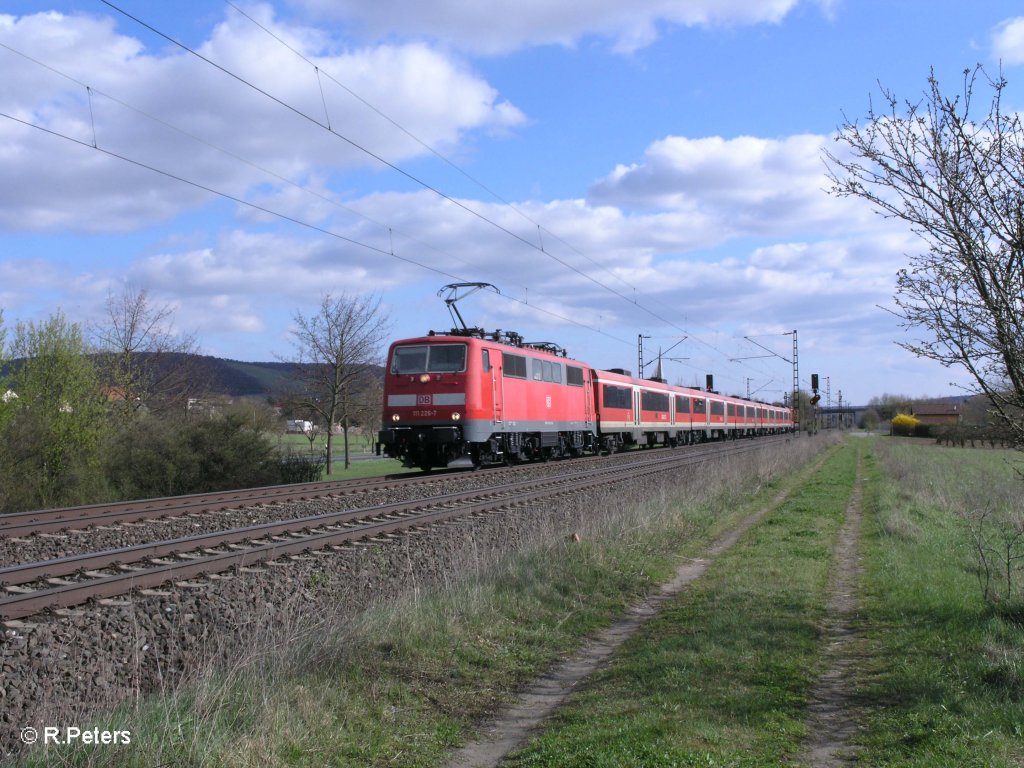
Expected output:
{"points": [[505, 25], [431, 95], [1008, 41], [740, 186]]}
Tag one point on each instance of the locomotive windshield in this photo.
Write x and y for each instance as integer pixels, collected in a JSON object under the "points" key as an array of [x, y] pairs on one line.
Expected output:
{"points": [[429, 358]]}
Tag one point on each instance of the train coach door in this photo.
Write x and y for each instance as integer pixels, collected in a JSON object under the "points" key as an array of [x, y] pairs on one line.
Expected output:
{"points": [[636, 407], [491, 389], [588, 400]]}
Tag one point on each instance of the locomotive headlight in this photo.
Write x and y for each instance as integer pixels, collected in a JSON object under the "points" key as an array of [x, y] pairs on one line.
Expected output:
{"points": [[424, 378], [395, 417], [456, 416]]}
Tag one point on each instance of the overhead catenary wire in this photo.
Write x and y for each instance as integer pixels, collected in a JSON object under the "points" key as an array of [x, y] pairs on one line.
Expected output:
{"points": [[433, 151], [283, 216], [91, 90], [398, 169], [327, 126], [541, 229]]}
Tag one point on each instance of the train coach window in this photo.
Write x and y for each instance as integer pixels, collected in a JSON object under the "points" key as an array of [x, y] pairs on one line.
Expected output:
{"points": [[731, 411], [617, 397], [654, 401], [682, 404], [751, 412], [514, 365], [699, 405], [574, 376], [717, 408]]}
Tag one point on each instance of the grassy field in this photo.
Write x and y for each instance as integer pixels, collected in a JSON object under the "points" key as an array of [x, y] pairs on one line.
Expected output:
{"points": [[364, 462], [299, 444], [942, 682], [719, 678]]}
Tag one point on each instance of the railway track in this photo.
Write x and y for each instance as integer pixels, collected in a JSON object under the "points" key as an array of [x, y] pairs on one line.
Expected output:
{"points": [[68, 581], [56, 520], [31, 523]]}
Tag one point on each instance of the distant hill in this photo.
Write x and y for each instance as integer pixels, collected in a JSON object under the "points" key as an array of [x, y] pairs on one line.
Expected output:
{"points": [[235, 378], [218, 376]]}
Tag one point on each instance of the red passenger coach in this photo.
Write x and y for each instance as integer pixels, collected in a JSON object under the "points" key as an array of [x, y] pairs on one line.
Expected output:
{"points": [[470, 398]]}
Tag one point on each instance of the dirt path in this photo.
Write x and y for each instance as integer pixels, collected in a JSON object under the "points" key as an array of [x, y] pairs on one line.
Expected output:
{"points": [[830, 718], [511, 726]]}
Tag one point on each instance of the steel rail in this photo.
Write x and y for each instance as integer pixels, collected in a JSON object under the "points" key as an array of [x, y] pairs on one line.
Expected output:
{"points": [[25, 573], [33, 522], [66, 595], [60, 519]]}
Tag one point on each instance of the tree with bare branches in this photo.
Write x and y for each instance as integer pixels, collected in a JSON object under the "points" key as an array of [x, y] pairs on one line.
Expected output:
{"points": [[141, 356], [952, 167], [336, 348]]}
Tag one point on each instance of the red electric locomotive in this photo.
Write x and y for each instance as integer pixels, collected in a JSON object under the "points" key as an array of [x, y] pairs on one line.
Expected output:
{"points": [[469, 398]]}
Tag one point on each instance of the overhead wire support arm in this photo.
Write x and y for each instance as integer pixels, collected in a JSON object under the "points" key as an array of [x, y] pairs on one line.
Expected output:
{"points": [[794, 361], [772, 353]]}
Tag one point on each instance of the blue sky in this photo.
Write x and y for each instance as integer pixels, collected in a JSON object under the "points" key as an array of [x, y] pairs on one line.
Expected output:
{"points": [[645, 168]]}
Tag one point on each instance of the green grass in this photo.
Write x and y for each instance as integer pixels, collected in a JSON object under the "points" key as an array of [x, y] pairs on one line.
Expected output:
{"points": [[298, 445], [718, 678], [943, 679]]}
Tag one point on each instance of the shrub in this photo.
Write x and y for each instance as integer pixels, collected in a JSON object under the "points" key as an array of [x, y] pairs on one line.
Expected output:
{"points": [[168, 457], [299, 469], [904, 424]]}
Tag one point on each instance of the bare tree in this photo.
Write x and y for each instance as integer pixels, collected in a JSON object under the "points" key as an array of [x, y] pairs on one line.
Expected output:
{"points": [[335, 348], [141, 355], [957, 177], [367, 410]]}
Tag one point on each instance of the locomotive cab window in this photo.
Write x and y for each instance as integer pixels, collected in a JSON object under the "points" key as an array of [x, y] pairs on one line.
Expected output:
{"points": [[429, 358], [485, 362], [574, 376], [447, 358]]}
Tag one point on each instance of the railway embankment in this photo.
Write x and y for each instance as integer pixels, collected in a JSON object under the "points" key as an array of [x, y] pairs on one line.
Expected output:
{"points": [[70, 664]]}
